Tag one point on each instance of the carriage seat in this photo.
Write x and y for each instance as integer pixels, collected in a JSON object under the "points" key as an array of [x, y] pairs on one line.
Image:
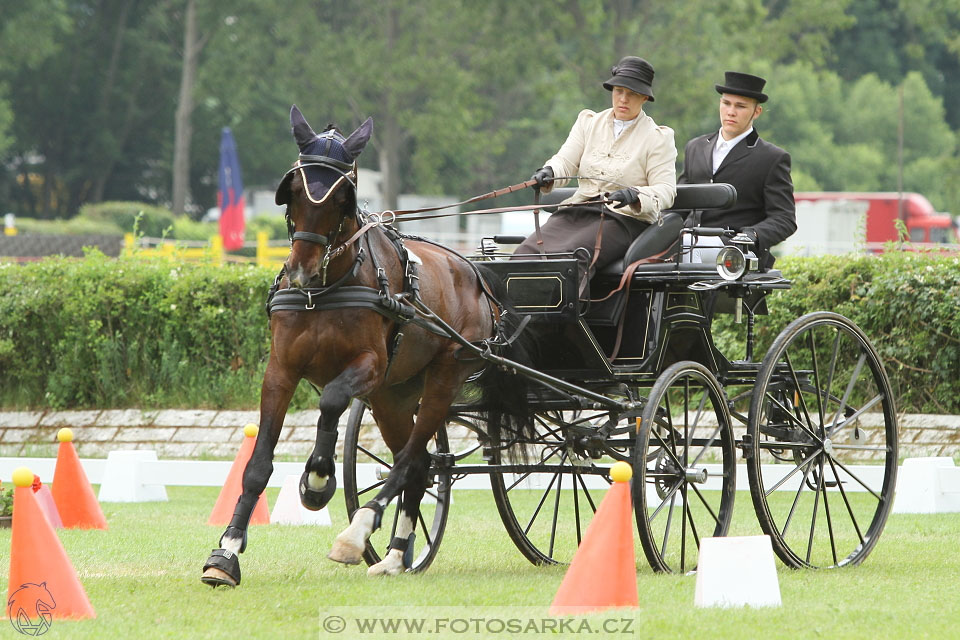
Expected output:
{"points": [[658, 238]]}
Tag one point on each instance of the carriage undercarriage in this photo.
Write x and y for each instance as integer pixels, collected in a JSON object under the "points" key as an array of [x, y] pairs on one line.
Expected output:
{"points": [[813, 424]]}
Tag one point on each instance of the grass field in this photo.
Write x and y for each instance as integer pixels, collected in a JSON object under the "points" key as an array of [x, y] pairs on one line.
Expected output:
{"points": [[142, 576]]}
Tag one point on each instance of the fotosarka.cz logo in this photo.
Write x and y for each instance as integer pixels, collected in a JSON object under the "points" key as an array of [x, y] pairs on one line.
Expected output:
{"points": [[28, 609]]}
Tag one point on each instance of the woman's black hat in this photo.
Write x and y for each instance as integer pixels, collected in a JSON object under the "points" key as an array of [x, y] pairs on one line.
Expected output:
{"points": [[743, 84], [633, 73]]}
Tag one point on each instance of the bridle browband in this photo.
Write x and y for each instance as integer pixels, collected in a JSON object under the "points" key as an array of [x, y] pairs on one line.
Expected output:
{"points": [[347, 171]]}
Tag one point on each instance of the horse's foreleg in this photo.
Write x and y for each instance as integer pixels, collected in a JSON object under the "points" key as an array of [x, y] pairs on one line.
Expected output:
{"points": [[223, 566], [319, 481]]}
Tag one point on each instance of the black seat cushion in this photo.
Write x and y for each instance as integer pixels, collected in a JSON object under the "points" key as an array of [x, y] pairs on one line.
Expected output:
{"points": [[651, 241]]}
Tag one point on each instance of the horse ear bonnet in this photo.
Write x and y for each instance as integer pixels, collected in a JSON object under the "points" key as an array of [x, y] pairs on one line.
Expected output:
{"points": [[329, 144]]}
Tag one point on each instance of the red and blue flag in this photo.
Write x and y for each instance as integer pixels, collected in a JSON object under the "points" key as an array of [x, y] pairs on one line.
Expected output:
{"points": [[230, 194]]}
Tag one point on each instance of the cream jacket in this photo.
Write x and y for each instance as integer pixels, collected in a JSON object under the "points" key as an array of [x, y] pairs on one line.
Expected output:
{"points": [[644, 157]]}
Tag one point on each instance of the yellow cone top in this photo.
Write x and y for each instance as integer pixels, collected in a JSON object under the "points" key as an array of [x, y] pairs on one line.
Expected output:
{"points": [[621, 472], [251, 430], [65, 435], [22, 477]]}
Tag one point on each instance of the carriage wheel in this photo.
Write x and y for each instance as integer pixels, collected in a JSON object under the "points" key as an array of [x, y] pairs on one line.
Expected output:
{"points": [[548, 500], [365, 470], [684, 467], [822, 405]]}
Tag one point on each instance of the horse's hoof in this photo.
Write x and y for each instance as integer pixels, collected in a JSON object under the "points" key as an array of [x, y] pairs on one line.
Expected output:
{"points": [[316, 500], [391, 565], [345, 552], [221, 569]]}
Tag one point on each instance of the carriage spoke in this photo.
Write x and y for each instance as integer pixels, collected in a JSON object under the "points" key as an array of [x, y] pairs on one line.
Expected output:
{"points": [[374, 456], [859, 481], [543, 498], [528, 473], [790, 474], [375, 485], [813, 517], [796, 500], [826, 511], [846, 501], [852, 418], [816, 380], [713, 438], [556, 509], [669, 495], [846, 393], [786, 410], [808, 427], [683, 530], [666, 530], [586, 493], [705, 504]]}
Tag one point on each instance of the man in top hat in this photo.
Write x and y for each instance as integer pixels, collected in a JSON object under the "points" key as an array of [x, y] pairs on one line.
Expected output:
{"points": [[759, 171]]}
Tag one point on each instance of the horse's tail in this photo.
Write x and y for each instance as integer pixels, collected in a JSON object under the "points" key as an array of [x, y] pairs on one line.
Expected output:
{"points": [[505, 394]]}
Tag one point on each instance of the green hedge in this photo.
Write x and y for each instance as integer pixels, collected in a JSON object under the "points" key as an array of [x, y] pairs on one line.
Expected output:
{"points": [[135, 332], [103, 332]]}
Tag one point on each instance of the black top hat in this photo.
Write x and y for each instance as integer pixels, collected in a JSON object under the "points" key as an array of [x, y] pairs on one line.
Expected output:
{"points": [[743, 84], [633, 73]]}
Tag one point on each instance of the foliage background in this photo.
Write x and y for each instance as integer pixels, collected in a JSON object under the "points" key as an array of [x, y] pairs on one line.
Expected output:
{"points": [[466, 96], [139, 332]]}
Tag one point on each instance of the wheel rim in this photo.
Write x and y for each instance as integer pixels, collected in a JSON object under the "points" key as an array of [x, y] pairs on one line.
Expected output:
{"points": [[362, 481], [684, 467], [547, 505], [822, 409]]}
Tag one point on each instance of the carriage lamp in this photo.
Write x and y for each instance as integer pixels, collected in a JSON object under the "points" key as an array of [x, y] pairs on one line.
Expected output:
{"points": [[731, 263]]}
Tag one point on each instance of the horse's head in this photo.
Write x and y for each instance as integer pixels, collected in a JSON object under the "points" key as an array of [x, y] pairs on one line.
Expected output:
{"points": [[320, 194]]}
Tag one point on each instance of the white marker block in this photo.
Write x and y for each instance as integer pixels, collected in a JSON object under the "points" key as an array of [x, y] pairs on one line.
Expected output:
{"points": [[288, 510], [737, 572], [131, 476], [928, 485]]}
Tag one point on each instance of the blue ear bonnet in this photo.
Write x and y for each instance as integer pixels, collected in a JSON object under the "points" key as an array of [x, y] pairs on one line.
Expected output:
{"points": [[324, 161]]}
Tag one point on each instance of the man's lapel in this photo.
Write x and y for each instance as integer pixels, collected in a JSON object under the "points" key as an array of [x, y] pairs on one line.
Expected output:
{"points": [[706, 153], [741, 151]]}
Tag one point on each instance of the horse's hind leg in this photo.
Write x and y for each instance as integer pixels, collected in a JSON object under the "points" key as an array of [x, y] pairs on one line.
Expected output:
{"points": [[223, 566], [393, 411], [319, 480], [399, 556]]}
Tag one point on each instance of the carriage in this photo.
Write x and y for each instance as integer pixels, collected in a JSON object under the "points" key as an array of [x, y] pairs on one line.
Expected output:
{"points": [[634, 375], [639, 378]]}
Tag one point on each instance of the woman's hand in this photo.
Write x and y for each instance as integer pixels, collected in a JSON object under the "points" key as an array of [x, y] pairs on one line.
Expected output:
{"points": [[543, 176], [625, 197]]}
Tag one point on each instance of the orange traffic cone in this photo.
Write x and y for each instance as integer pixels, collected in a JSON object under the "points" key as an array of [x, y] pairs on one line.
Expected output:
{"points": [[43, 583], [71, 491], [233, 487], [603, 573]]}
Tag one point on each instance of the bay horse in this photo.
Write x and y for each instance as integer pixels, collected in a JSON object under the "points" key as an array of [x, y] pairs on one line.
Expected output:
{"points": [[348, 292]]}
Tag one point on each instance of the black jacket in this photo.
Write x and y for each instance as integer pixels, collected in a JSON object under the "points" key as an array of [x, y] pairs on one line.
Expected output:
{"points": [[760, 172]]}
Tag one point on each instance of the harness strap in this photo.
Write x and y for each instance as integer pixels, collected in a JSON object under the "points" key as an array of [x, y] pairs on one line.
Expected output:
{"points": [[307, 236], [353, 297]]}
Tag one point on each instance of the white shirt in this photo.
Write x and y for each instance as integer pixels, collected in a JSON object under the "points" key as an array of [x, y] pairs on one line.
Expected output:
{"points": [[619, 126], [723, 147]]}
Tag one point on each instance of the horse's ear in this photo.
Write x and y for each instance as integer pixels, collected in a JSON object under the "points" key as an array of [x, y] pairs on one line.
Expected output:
{"points": [[302, 131], [357, 140], [282, 196]]}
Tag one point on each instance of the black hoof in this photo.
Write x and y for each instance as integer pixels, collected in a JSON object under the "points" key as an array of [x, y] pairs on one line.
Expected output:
{"points": [[221, 569], [316, 500]]}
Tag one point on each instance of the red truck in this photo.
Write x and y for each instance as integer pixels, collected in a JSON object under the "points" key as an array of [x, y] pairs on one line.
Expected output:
{"points": [[840, 222]]}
